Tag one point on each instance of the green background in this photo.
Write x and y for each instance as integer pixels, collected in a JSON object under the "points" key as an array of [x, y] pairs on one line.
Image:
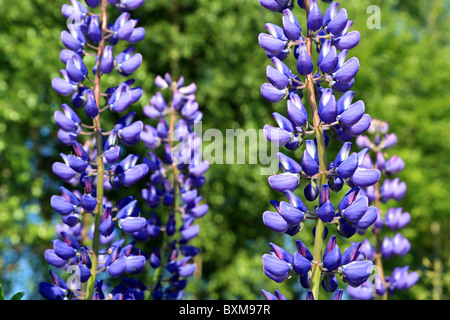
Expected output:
{"points": [[403, 80]]}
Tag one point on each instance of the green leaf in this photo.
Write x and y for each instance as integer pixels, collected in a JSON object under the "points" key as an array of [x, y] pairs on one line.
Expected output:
{"points": [[1, 293], [18, 296]]}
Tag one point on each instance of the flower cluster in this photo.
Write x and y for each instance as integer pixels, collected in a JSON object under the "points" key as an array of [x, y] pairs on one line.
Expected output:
{"points": [[394, 218], [327, 81], [177, 172], [88, 243]]}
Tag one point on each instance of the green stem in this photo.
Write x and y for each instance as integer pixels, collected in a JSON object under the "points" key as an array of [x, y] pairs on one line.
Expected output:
{"points": [[320, 226], [100, 164]]}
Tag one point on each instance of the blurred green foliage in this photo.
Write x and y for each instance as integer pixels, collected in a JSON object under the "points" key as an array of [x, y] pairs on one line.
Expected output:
{"points": [[403, 80]]}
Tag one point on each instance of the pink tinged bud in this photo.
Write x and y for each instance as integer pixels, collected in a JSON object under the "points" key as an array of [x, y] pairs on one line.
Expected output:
{"points": [[357, 272], [348, 71], [303, 250], [281, 253], [285, 181], [351, 253], [275, 221], [272, 94], [349, 198], [269, 296]]}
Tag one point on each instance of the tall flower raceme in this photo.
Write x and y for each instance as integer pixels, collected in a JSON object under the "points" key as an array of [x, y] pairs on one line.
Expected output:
{"points": [[177, 172], [394, 219], [327, 78], [91, 245]]}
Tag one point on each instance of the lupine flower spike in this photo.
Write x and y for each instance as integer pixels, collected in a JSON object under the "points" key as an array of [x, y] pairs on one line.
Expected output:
{"points": [[91, 245], [177, 173], [393, 219], [324, 84]]}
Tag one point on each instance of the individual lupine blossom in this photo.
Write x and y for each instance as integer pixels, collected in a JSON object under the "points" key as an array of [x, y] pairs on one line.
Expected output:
{"points": [[333, 109], [394, 218], [88, 245], [177, 172]]}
